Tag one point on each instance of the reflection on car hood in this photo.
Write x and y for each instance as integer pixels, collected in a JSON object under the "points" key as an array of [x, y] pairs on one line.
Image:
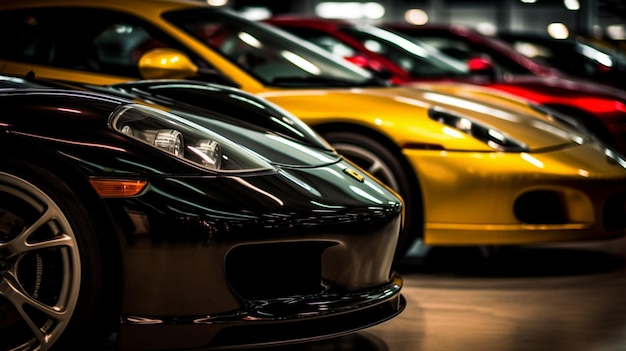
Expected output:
{"points": [[408, 106], [265, 130]]}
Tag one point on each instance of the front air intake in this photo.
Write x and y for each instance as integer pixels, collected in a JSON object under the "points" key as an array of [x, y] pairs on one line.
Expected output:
{"points": [[274, 270], [541, 207], [614, 214]]}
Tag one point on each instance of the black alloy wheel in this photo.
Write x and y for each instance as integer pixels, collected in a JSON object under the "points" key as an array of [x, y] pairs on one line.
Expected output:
{"points": [[45, 272]]}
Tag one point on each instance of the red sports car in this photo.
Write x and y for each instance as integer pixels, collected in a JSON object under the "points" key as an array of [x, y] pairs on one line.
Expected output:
{"points": [[403, 59]]}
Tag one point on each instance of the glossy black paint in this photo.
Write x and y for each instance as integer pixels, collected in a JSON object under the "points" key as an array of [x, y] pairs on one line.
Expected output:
{"points": [[250, 121], [202, 255]]}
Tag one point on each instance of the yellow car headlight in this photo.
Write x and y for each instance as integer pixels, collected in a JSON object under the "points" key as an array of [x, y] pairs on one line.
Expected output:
{"points": [[490, 136]]}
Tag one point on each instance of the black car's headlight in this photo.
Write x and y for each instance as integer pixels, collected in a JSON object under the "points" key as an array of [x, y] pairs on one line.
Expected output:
{"points": [[183, 138], [210, 151], [492, 137], [169, 140], [173, 141]]}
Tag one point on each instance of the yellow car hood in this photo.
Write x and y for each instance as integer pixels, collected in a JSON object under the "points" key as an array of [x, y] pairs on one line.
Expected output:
{"points": [[402, 114]]}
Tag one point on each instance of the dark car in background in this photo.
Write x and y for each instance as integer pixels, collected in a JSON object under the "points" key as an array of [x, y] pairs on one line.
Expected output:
{"points": [[600, 107], [464, 44], [117, 217], [584, 57], [395, 54]]}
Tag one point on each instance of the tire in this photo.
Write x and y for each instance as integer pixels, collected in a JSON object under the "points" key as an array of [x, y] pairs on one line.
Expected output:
{"points": [[388, 166], [50, 264]]}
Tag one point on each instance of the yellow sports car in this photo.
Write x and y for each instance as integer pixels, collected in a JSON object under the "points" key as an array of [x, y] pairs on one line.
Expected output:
{"points": [[474, 167]]}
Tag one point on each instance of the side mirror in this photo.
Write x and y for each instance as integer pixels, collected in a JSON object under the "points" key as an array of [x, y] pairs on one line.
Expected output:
{"points": [[371, 65], [166, 63], [481, 65], [359, 60]]}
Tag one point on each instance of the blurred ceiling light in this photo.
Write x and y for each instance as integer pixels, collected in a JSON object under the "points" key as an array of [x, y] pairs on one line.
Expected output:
{"points": [[573, 5], [616, 31], [528, 1], [596, 31], [217, 2], [373, 10], [486, 28], [558, 30], [530, 50], [256, 13], [416, 16], [350, 10]]}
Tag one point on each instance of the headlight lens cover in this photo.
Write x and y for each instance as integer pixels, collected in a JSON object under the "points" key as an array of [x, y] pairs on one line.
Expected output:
{"points": [[492, 137], [185, 139]]}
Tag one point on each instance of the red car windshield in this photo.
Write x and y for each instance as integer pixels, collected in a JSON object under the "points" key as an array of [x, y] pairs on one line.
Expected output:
{"points": [[414, 57]]}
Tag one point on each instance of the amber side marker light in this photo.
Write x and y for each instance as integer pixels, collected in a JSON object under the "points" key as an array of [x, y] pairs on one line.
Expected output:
{"points": [[118, 187]]}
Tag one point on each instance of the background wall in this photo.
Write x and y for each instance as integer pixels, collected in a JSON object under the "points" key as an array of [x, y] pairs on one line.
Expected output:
{"points": [[589, 17]]}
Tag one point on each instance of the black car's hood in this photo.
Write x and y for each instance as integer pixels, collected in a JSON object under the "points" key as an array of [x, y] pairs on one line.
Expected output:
{"points": [[255, 124]]}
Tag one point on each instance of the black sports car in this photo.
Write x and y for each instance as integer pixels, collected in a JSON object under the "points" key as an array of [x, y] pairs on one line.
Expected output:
{"points": [[116, 217]]}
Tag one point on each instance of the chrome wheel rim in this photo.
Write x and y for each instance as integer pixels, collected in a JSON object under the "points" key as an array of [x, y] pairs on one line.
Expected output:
{"points": [[39, 267]]}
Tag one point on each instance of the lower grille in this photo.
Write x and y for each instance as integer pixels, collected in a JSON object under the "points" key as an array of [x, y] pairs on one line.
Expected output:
{"points": [[615, 211], [541, 207], [274, 270]]}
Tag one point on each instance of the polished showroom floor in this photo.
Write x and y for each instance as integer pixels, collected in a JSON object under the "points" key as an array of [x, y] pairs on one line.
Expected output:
{"points": [[557, 298]]}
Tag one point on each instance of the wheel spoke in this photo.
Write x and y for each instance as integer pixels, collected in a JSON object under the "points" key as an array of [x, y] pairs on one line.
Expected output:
{"points": [[20, 244], [375, 167], [40, 264], [11, 291]]}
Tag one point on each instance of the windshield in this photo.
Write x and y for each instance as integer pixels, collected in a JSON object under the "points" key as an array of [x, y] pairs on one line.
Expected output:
{"points": [[269, 54], [414, 57]]}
